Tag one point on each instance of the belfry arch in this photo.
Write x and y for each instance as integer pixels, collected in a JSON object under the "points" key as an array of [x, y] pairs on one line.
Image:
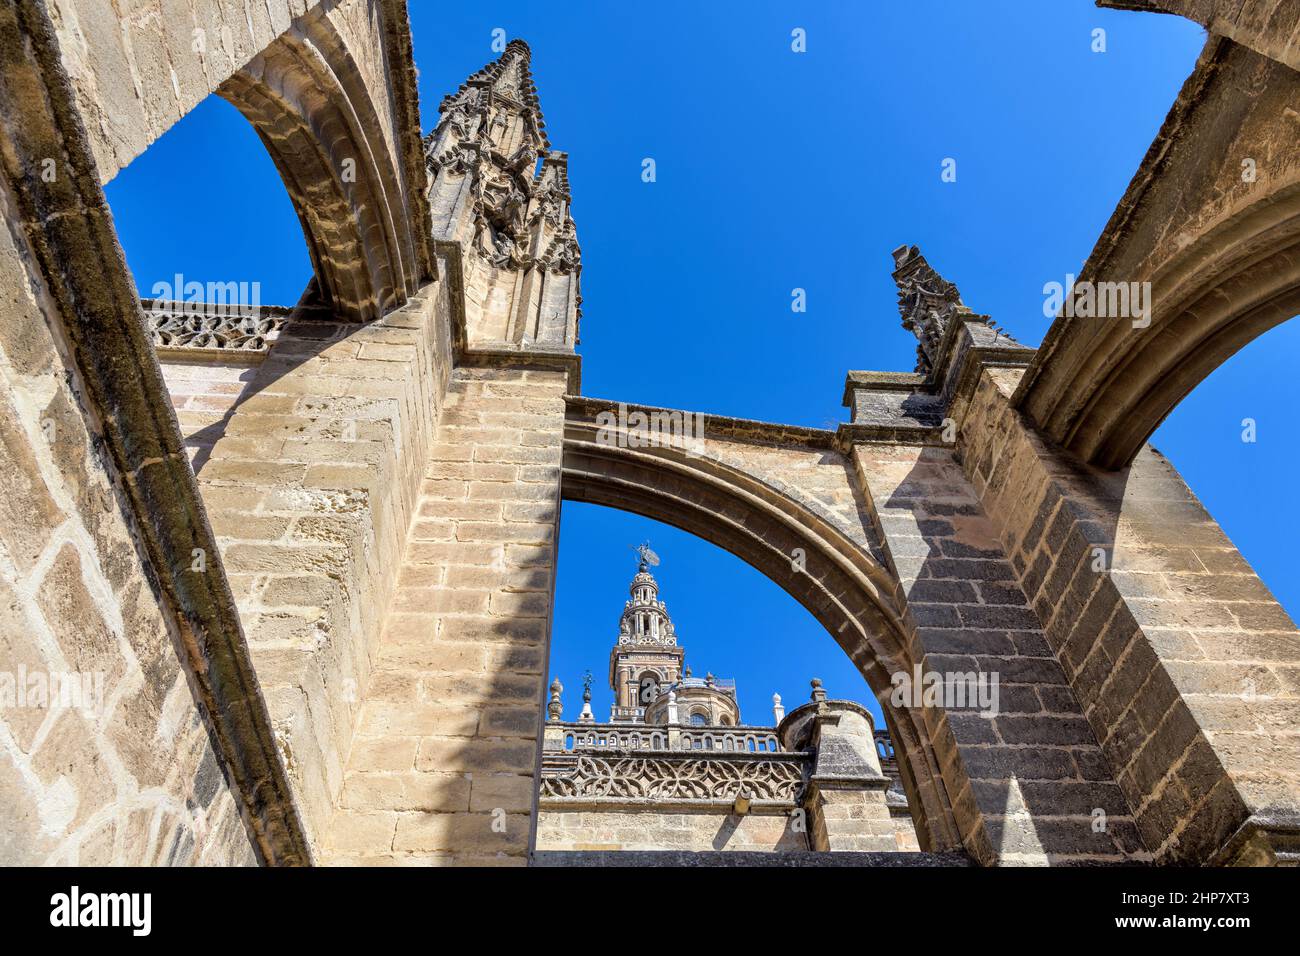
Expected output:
{"points": [[797, 545]]}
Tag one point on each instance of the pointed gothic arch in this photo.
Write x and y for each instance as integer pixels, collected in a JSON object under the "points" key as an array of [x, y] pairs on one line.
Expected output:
{"points": [[762, 522], [1211, 235], [356, 183]]}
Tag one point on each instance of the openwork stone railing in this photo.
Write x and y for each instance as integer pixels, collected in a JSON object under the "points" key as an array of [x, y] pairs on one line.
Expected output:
{"points": [[668, 777], [210, 326], [725, 739], [582, 737]]}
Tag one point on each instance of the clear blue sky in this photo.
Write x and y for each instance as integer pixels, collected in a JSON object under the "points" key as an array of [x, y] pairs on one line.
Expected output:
{"points": [[779, 170]]}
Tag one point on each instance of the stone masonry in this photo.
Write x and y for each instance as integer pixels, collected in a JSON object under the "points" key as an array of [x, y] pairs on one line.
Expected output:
{"points": [[122, 772], [444, 764], [299, 565]]}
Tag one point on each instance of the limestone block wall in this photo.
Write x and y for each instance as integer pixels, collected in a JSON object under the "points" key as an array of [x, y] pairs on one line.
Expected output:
{"points": [[1184, 664], [313, 478], [623, 829], [130, 779], [443, 766], [203, 393], [850, 820], [904, 831], [1033, 773], [489, 300]]}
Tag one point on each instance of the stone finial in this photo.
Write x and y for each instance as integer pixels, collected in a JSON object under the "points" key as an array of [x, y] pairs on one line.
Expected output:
{"points": [[491, 133], [586, 716], [927, 303], [555, 709], [709, 678], [778, 710], [687, 672], [818, 692]]}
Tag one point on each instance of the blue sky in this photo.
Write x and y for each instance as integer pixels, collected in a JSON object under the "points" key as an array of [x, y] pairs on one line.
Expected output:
{"points": [[779, 170]]}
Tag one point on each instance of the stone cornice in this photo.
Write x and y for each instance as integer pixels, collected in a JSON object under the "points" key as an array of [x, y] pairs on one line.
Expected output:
{"points": [[851, 434], [968, 345], [717, 426], [618, 804], [881, 382], [526, 358]]}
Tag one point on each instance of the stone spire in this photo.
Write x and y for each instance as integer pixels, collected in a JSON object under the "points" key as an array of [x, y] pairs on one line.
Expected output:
{"points": [[507, 84], [490, 201], [778, 710], [645, 618], [929, 304]]}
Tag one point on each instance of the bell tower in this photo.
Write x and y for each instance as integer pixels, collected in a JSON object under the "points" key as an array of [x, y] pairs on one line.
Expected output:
{"points": [[646, 657]]}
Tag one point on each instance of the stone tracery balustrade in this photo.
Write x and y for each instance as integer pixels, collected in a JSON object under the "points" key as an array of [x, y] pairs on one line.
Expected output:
{"points": [[729, 739], [214, 326], [576, 736], [672, 777]]}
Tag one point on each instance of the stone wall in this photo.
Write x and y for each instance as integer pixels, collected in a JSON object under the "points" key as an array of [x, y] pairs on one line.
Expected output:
{"points": [[443, 768], [1183, 662], [1035, 772], [904, 831], [203, 394], [667, 830], [135, 75], [130, 779], [312, 481]]}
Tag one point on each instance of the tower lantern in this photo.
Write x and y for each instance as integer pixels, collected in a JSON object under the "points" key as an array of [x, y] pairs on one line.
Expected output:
{"points": [[647, 665]]}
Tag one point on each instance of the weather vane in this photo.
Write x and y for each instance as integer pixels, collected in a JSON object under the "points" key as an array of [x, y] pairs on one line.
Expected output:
{"points": [[648, 557], [586, 685]]}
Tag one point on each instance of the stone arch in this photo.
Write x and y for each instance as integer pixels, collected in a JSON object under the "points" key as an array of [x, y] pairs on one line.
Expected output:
{"points": [[839, 582], [342, 163], [335, 80], [1225, 288], [650, 677], [1220, 249]]}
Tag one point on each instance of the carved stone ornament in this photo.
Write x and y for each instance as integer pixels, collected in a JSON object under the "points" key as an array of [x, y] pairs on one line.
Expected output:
{"points": [[195, 326], [665, 778]]}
